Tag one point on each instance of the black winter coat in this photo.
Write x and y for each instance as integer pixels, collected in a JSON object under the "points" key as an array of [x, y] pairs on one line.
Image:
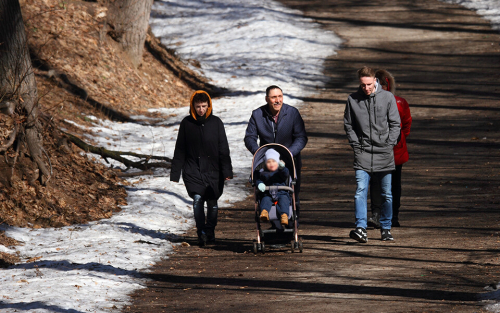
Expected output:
{"points": [[202, 155]]}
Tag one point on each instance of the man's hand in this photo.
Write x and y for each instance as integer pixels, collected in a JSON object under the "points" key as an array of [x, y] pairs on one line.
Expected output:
{"points": [[229, 178], [262, 187]]}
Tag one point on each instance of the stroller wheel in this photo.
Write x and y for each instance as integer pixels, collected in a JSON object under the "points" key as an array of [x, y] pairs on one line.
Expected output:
{"points": [[301, 247], [293, 246], [262, 247], [255, 248]]}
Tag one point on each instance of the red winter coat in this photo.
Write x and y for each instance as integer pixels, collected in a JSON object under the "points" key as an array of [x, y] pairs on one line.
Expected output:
{"points": [[400, 150]]}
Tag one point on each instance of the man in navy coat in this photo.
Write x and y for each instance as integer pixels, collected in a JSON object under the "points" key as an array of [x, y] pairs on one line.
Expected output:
{"points": [[277, 122]]}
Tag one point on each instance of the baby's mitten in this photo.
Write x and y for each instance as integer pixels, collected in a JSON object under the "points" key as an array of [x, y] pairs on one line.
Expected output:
{"points": [[262, 187], [282, 164]]}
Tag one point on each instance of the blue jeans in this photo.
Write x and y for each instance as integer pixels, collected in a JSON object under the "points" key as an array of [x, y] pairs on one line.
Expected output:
{"points": [[199, 216], [383, 179]]}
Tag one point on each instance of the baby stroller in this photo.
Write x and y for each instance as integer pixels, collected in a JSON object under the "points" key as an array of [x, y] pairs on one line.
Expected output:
{"points": [[276, 234]]}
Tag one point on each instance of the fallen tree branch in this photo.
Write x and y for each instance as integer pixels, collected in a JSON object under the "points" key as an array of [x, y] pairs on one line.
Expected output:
{"points": [[118, 155], [121, 174]]}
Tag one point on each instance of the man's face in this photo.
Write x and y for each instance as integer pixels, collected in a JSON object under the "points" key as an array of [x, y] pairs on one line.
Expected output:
{"points": [[201, 108], [367, 84], [275, 100]]}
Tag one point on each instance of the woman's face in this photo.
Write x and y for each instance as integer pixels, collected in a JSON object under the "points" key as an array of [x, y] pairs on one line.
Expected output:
{"points": [[201, 108], [271, 165]]}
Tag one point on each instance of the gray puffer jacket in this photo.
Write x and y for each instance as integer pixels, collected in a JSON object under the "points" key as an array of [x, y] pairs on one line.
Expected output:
{"points": [[372, 125]]}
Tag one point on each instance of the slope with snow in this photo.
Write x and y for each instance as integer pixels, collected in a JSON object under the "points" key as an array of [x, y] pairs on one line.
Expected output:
{"points": [[243, 45]]}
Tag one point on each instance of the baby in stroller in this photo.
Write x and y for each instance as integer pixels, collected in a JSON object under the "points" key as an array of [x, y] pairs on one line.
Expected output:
{"points": [[274, 173]]}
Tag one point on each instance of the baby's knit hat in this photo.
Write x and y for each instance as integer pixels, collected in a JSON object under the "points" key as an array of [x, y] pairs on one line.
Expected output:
{"points": [[272, 154]]}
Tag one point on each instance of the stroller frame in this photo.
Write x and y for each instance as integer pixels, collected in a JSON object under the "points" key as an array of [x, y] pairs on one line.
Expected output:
{"points": [[276, 230]]}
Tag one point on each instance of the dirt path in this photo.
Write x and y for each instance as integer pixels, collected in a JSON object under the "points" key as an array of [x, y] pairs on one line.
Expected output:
{"points": [[446, 62]]}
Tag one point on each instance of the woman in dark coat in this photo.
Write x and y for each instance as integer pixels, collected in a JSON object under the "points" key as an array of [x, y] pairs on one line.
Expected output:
{"points": [[202, 155]]}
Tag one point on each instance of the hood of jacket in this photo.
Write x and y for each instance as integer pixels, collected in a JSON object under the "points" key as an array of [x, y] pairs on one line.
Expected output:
{"points": [[192, 111], [389, 80]]}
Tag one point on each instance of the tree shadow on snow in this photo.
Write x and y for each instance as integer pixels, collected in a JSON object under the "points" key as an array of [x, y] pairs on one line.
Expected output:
{"points": [[36, 305]]}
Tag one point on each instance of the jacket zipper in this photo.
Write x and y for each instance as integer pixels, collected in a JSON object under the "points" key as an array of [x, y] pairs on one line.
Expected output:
{"points": [[274, 131], [371, 136]]}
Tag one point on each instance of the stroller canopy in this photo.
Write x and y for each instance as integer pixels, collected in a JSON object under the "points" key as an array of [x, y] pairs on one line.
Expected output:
{"points": [[285, 155]]}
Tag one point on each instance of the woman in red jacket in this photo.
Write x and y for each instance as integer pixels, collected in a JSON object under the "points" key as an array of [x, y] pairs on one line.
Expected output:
{"points": [[400, 153]]}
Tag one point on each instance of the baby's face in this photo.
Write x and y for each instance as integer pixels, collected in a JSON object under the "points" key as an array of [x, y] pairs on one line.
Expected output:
{"points": [[271, 165]]}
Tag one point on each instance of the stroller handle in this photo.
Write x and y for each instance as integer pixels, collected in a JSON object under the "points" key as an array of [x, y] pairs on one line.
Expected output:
{"points": [[279, 188]]}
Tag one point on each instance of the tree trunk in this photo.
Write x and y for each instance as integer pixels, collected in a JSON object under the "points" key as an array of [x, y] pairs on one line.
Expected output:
{"points": [[130, 20], [18, 92]]}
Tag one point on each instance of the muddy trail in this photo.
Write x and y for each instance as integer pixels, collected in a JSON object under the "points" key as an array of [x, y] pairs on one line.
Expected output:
{"points": [[446, 63]]}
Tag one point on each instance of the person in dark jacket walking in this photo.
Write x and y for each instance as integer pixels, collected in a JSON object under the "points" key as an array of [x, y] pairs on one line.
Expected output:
{"points": [[202, 155], [401, 155], [277, 122], [372, 125]]}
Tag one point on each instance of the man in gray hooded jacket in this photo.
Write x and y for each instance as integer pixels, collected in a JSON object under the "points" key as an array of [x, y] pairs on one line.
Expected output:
{"points": [[372, 125]]}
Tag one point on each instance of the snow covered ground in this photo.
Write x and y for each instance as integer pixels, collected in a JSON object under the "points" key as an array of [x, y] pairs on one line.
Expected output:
{"points": [[243, 45]]}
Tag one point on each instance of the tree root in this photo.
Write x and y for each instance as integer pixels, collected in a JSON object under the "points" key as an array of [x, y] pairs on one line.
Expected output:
{"points": [[118, 155], [12, 138], [35, 149]]}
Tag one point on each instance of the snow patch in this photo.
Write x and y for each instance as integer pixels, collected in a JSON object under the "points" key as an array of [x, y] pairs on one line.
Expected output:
{"points": [[489, 9]]}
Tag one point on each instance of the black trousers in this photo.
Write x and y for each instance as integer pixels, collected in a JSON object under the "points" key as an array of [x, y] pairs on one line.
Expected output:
{"points": [[207, 227], [376, 200]]}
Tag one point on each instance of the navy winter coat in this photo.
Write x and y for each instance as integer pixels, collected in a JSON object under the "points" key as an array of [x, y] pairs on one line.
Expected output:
{"points": [[289, 131], [276, 178]]}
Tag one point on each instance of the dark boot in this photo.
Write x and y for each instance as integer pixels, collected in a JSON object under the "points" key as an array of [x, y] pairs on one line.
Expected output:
{"points": [[374, 221], [212, 212]]}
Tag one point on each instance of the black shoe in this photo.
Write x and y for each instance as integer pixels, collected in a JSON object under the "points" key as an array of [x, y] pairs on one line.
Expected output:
{"points": [[395, 223], [374, 221], [359, 234], [202, 239], [386, 234]]}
